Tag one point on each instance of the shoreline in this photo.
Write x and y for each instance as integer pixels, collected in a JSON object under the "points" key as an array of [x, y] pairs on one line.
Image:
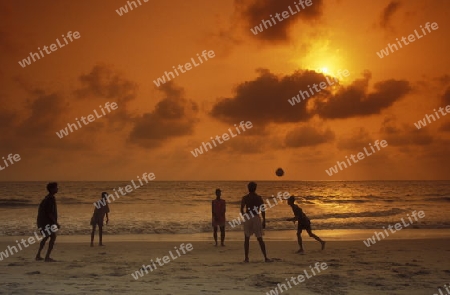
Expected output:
{"points": [[285, 235]]}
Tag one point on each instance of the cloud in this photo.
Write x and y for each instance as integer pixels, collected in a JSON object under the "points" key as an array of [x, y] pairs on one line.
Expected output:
{"points": [[446, 97], [443, 80], [307, 136], [253, 12], [355, 101], [103, 82], [9, 120], [174, 116], [358, 139], [45, 108], [445, 127], [387, 14], [245, 145], [34, 130], [404, 135], [265, 99]]}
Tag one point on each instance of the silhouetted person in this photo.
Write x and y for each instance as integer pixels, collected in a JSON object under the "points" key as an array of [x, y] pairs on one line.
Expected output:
{"points": [[48, 216], [252, 225], [218, 217], [303, 223], [98, 216]]}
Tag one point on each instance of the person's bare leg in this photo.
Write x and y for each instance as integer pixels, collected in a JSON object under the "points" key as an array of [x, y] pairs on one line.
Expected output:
{"points": [[300, 242], [262, 245], [316, 238], [215, 235], [246, 248], [100, 235], [93, 235], [50, 248], [222, 236], [41, 246]]}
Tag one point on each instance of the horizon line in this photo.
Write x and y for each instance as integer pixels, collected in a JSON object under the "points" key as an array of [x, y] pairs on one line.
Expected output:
{"points": [[338, 180]]}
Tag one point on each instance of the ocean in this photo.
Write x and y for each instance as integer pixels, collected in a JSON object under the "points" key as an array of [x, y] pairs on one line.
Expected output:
{"points": [[182, 207]]}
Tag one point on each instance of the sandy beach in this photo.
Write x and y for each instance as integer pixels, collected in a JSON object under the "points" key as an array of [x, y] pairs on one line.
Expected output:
{"points": [[391, 266]]}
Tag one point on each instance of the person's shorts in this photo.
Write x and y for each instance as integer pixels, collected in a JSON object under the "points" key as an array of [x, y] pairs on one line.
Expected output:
{"points": [[306, 226], [253, 226], [218, 222], [95, 220]]}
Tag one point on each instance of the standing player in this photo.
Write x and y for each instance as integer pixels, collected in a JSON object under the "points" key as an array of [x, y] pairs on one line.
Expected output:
{"points": [[252, 202], [218, 217], [97, 218], [48, 216], [303, 223]]}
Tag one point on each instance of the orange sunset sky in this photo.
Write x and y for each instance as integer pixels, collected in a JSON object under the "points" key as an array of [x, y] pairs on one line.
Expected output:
{"points": [[251, 78]]}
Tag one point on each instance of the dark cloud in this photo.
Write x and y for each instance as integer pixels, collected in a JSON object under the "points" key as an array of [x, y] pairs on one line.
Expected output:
{"points": [[404, 135], [6, 42], [445, 127], [174, 116], [265, 99], [307, 136], [8, 118], [103, 82], [45, 108], [443, 80], [388, 12], [35, 129], [254, 11], [446, 97], [246, 145], [358, 139], [355, 101]]}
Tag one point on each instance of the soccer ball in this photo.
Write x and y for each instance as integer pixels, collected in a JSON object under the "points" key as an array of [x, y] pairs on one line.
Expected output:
{"points": [[279, 172]]}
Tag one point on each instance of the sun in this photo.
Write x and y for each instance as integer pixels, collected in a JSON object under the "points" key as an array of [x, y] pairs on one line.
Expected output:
{"points": [[324, 70]]}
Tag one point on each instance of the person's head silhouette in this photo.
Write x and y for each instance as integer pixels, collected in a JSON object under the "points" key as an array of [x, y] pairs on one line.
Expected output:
{"points": [[291, 200], [252, 187], [52, 187]]}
